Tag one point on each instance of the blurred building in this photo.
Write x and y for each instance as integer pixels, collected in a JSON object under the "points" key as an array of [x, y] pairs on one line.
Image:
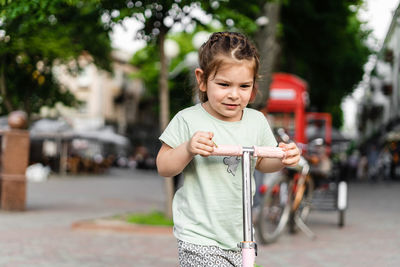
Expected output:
{"points": [[379, 112], [92, 136], [106, 98]]}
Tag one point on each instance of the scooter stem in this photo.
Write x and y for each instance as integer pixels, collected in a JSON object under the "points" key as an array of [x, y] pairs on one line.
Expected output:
{"points": [[248, 246], [247, 196]]}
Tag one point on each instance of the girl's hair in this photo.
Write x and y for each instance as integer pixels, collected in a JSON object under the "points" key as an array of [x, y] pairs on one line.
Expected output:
{"points": [[225, 44]]}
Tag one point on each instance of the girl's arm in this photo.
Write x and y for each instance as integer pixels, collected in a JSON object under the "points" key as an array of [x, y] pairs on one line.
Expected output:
{"points": [[272, 165], [172, 161]]}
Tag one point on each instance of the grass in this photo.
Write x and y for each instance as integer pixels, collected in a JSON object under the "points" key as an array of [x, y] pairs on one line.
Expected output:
{"points": [[152, 218]]}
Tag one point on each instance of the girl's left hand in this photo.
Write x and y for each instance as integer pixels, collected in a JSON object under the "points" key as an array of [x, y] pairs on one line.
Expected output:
{"points": [[292, 154]]}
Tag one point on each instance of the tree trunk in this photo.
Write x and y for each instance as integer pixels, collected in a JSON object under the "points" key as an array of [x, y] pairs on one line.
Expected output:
{"points": [[269, 49], [3, 88], [164, 116]]}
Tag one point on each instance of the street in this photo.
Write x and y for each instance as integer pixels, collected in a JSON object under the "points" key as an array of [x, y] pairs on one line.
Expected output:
{"points": [[42, 235]]}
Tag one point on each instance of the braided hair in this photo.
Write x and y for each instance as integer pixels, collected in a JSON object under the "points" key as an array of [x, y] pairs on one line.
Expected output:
{"points": [[222, 45]]}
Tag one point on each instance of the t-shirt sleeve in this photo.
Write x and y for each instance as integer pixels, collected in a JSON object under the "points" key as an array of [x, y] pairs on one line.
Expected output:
{"points": [[267, 136], [176, 132]]}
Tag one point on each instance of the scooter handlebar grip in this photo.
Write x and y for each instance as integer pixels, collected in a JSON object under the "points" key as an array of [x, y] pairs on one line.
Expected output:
{"points": [[269, 152], [227, 150]]}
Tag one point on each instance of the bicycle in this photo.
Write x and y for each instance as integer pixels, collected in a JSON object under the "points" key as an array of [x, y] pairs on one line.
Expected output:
{"points": [[286, 201], [248, 246]]}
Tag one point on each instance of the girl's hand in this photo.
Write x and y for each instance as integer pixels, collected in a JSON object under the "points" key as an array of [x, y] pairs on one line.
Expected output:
{"points": [[292, 154], [201, 144]]}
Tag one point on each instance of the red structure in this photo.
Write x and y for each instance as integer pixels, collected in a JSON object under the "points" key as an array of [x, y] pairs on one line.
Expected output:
{"points": [[287, 104], [286, 108]]}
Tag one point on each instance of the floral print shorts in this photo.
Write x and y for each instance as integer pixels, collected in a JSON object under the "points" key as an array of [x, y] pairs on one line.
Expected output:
{"points": [[199, 256]]}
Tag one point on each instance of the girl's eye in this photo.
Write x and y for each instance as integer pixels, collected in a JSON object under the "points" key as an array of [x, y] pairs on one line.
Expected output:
{"points": [[223, 84], [245, 86]]}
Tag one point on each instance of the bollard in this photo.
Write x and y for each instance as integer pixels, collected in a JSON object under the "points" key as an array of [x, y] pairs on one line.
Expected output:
{"points": [[14, 161]]}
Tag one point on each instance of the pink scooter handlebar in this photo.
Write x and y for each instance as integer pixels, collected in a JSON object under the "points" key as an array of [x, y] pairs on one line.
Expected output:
{"points": [[258, 151], [269, 152]]}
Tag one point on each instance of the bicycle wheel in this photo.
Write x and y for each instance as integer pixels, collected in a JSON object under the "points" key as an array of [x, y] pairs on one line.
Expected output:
{"points": [[275, 211], [303, 196]]}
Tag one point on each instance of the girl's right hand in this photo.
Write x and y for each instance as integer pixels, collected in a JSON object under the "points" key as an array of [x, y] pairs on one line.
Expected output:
{"points": [[201, 144]]}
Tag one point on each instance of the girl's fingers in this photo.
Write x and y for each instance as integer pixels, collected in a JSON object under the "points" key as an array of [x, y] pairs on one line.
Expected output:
{"points": [[292, 156], [204, 137], [206, 147], [292, 153], [205, 142], [202, 143]]}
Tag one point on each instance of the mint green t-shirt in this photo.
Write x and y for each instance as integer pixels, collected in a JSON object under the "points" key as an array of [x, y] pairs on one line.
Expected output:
{"points": [[207, 209]]}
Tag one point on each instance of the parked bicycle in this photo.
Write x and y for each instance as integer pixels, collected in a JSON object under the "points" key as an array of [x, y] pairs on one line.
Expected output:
{"points": [[286, 201], [288, 196]]}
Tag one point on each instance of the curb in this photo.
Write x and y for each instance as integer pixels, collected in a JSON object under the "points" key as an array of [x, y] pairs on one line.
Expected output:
{"points": [[121, 226]]}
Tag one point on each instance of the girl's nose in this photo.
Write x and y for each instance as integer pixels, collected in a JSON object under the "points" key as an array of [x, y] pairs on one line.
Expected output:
{"points": [[234, 93]]}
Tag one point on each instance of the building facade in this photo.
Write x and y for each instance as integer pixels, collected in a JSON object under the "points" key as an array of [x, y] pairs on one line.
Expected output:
{"points": [[105, 98], [379, 110]]}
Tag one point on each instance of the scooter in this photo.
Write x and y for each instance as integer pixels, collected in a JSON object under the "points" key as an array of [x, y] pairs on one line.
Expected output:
{"points": [[248, 246]]}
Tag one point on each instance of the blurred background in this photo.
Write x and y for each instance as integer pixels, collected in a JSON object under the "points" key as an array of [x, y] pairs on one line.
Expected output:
{"points": [[99, 80]]}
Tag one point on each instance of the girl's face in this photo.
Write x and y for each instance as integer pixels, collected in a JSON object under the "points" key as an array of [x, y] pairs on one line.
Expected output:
{"points": [[229, 91]]}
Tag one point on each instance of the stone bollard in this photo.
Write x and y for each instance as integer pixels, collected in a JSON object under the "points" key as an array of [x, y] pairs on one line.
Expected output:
{"points": [[14, 161]]}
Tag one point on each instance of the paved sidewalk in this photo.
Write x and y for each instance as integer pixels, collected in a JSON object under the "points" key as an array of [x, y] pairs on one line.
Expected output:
{"points": [[43, 236]]}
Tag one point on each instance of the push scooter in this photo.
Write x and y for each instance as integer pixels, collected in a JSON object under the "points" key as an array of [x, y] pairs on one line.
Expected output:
{"points": [[248, 246]]}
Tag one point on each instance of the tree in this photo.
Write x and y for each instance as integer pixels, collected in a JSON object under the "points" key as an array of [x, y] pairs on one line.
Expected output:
{"points": [[179, 73], [35, 35], [323, 42], [268, 45], [158, 19]]}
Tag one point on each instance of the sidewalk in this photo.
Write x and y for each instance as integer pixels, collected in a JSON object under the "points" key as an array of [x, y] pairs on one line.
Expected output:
{"points": [[43, 235]]}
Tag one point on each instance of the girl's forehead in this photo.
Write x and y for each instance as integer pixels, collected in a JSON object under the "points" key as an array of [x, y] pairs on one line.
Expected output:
{"points": [[229, 61], [233, 65]]}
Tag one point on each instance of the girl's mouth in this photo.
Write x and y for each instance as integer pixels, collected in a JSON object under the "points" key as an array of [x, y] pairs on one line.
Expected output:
{"points": [[231, 106]]}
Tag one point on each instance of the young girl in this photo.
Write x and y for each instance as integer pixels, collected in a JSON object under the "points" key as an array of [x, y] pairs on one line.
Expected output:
{"points": [[207, 209]]}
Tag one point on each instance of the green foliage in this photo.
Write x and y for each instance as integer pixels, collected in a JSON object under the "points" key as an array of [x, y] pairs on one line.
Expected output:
{"points": [[147, 60], [37, 35], [153, 218], [324, 43], [180, 86], [242, 13]]}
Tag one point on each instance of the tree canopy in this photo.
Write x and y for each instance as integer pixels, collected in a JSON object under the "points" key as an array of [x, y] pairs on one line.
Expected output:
{"points": [[323, 42], [33, 35]]}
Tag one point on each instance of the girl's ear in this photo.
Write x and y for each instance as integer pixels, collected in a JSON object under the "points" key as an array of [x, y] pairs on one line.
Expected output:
{"points": [[253, 96], [254, 93], [199, 77]]}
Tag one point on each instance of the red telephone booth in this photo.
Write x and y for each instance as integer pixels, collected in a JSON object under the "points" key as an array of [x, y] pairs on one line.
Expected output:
{"points": [[286, 106]]}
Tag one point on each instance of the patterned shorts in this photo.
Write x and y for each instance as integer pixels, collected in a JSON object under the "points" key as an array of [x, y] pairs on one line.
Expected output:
{"points": [[191, 255]]}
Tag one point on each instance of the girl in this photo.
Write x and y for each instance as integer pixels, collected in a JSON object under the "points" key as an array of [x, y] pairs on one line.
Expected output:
{"points": [[207, 209]]}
